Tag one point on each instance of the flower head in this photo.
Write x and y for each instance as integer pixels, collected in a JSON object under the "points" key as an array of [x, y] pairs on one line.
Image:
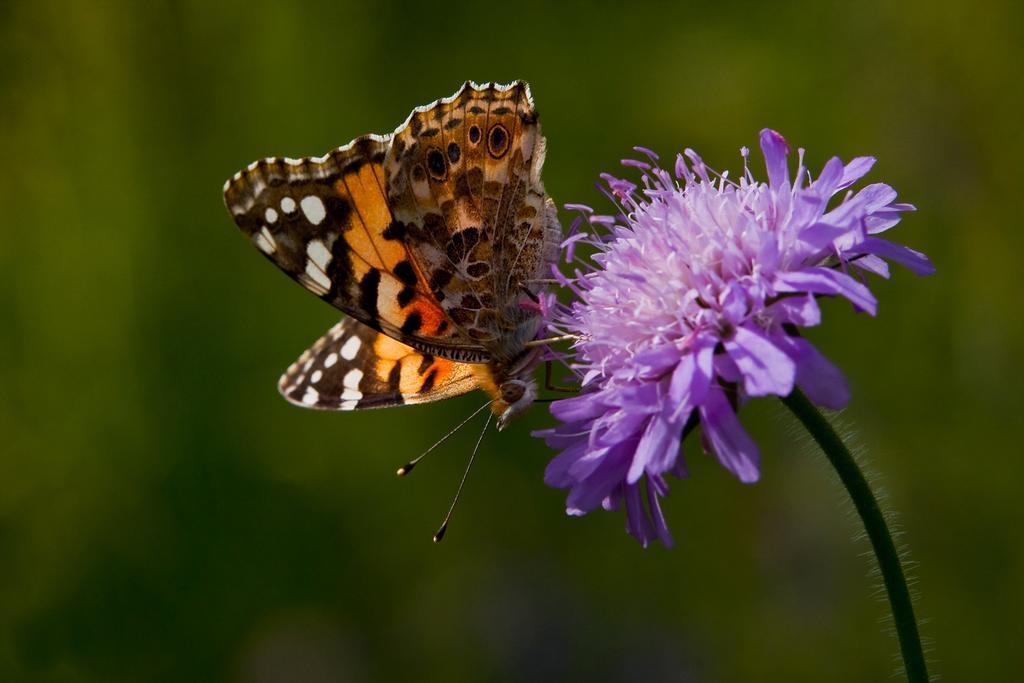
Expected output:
{"points": [[692, 303]]}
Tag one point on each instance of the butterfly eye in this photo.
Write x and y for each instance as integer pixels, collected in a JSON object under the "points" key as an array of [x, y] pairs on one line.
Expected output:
{"points": [[497, 141], [436, 164], [474, 134], [512, 391]]}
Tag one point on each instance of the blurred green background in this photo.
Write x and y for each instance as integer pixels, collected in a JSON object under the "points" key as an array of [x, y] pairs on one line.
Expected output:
{"points": [[165, 516]]}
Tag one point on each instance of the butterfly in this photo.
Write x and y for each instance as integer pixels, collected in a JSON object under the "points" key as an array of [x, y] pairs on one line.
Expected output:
{"points": [[433, 240]]}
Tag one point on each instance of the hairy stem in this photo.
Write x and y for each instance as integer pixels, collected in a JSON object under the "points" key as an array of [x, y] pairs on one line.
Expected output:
{"points": [[877, 530]]}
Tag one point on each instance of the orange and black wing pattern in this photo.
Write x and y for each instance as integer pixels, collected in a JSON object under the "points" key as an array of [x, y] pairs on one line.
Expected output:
{"points": [[353, 367], [326, 222]]}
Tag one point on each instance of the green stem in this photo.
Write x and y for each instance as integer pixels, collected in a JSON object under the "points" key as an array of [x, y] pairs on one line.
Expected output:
{"points": [[877, 530]]}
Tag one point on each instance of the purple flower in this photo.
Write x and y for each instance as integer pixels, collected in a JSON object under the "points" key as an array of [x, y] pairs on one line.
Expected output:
{"points": [[693, 302]]}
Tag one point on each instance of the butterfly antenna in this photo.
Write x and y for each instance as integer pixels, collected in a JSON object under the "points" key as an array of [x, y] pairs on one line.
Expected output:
{"points": [[407, 467], [465, 475]]}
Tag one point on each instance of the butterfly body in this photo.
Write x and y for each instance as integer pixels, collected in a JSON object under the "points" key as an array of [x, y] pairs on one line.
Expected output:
{"points": [[430, 239]]}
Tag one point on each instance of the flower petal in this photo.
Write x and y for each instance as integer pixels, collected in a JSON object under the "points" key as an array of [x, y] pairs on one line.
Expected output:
{"points": [[589, 462], [638, 524], [766, 369], [728, 440], [871, 199], [586, 406], [636, 397], [733, 303], [619, 425], [659, 442], [876, 196], [881, 221], [796, 310], [725, 368], [613, 500], [668, 459], [775, 151], [679, 470], [872, 264], [651, 444], [660, 526], [588, 493], [818, 236], [827, 182], [917, 262], [556, 474], [691, 379], [657, 517], [654, 362], [822, 381], [855, 170], [826, 281]]}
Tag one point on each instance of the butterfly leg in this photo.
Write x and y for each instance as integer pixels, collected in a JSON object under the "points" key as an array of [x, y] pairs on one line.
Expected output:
{"points": [[549, 381], [526, 290]]}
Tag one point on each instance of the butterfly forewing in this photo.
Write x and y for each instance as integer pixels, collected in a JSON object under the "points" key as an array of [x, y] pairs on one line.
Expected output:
{"points": [[327, 223]]}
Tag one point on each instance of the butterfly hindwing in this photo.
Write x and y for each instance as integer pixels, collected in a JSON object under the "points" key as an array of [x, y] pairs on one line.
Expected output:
{"points": [[353, 367]]}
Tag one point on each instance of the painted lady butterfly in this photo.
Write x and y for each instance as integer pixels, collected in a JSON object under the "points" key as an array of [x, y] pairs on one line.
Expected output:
{"points": [[431, 239]]}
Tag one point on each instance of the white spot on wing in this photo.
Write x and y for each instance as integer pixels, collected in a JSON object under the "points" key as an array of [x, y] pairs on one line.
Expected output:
{"points": [[351, 394], [318, 276], [351, 348], [387, 292], [270, 214], [352, 378], [314, 209], [310, 397], [288, 205], [319, 254], [265, 241], [347, 405], [330, 360], [316, 376]]}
